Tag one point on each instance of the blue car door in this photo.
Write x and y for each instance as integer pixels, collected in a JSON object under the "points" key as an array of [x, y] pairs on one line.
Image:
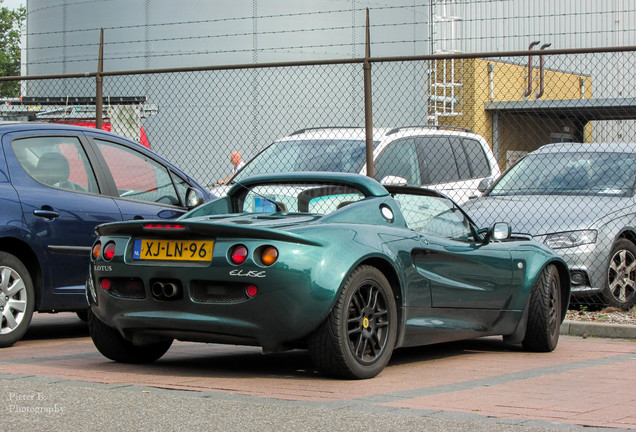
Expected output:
{"points": [[61, 202]]}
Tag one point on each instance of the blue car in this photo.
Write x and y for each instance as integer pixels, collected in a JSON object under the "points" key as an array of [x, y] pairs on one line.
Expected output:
{"points": [[57, 183]]}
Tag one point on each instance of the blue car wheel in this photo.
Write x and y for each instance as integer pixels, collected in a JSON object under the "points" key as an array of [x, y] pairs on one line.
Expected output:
{"points": [[17, 299]]}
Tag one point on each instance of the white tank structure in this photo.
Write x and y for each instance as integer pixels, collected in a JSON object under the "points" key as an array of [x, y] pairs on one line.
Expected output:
{"points": [[204, 115]]}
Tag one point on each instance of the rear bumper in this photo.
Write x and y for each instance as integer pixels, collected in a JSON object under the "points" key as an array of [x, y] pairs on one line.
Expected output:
{"points": [[283, 311]]}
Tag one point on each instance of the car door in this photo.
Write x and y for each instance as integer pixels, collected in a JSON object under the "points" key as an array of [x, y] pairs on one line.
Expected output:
{"points": [[453, 165], [439, 164], [143, 187], [466, 275], [61, 201], [462, 271]]}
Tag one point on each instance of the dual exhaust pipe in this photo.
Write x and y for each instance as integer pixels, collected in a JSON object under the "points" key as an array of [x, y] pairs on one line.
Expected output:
{"points": [[165, 290]]}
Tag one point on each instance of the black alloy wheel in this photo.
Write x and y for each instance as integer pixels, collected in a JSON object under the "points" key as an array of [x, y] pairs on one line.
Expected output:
{"points": [[357, 338]]}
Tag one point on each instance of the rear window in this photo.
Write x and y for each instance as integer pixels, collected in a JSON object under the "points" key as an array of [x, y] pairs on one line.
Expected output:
{"points": [[326, 155], [440, 165], [477, 159], [56, 161]]}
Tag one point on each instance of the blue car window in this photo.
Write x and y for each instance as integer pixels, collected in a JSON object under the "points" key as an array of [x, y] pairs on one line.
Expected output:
{"points": [[182, 186], [137, 176], [59, 162]]}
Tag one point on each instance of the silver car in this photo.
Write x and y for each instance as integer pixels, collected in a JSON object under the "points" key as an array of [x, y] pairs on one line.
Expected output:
{"points": [[579, 200]]}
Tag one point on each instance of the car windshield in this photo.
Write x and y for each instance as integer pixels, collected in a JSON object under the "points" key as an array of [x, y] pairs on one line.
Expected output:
{"points": [[570, 173], [297, 197], [337, 155]]}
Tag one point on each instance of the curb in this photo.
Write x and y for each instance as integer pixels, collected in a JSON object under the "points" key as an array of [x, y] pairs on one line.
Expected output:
{"points": [[595, 329]]}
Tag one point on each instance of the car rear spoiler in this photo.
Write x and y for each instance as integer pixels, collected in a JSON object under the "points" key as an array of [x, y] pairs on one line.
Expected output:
{"points": [[190, 229]]}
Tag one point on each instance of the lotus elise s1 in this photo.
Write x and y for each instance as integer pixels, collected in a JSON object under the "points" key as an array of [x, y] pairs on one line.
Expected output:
{"points": [[334, 263]]}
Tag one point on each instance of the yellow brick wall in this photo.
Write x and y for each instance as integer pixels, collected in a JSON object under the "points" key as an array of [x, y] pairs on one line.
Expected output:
{"points": [[524, 132]]}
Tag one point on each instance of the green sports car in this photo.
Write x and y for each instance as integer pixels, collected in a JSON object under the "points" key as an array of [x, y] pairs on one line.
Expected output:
{"points": [[335, 263]]}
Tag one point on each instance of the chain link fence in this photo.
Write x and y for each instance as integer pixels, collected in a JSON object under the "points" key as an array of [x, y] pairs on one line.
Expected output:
{"points": [[451, 123]]}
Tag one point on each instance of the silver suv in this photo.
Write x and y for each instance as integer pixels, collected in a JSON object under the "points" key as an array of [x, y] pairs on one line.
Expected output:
{"points": [[451, 160]]}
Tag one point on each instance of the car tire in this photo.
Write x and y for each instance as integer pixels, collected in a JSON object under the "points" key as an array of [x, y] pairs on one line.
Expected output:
{"points": [[544, 314], [82, 314], [357, 338], [112, 345], [620, 282], [17, 299]]}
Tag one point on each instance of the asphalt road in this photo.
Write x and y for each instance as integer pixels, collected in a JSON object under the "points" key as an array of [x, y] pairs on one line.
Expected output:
{"points": [[55, 380]]}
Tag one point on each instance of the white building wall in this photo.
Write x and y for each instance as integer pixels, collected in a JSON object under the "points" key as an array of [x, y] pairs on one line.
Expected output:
{"points": [[63, 35]]}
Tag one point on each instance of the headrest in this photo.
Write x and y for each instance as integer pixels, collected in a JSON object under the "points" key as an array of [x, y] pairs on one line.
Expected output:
{"points": [[52, 168]]}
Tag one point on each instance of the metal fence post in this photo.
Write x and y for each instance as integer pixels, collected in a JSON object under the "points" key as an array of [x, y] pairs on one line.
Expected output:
{"points": [[99, 82], [368, 119]]}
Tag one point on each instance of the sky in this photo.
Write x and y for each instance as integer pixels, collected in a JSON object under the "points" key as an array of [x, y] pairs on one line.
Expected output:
{"points": [[13, 4]]}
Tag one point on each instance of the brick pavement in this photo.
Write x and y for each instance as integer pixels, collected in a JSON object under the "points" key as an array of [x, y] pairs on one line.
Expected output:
{"points": [[586, 381]]}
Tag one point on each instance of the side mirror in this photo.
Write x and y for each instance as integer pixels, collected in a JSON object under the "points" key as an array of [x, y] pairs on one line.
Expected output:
{"points": [[394, 181], [485, 184], [498, 232], [194, 198]]}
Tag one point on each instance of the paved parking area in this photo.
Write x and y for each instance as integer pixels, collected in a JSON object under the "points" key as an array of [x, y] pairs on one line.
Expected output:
{"points": [[585, 382]]}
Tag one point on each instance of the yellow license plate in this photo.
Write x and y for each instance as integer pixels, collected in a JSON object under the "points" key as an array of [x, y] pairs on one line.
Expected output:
{"points": [[173, 250]]}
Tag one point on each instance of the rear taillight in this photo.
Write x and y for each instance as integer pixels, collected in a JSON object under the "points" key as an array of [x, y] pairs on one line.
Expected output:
{"points": [[269, 255], [164, 226], [105, 284], [96, 251], [109, 251], [238, 255]]}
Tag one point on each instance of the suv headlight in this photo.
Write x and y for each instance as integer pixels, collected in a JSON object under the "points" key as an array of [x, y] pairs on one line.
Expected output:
{"points": [[570, 239]]}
